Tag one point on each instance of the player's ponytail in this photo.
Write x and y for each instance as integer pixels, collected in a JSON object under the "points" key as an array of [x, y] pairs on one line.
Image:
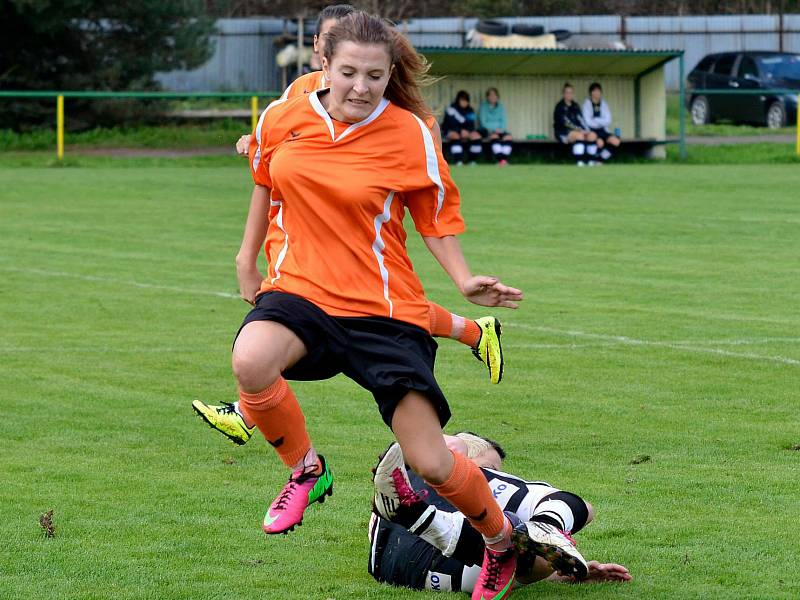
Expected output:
{"points": [[410, 72]]}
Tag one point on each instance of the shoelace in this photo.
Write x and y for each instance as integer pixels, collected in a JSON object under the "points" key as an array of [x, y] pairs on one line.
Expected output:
{"points": [[285, 495], [406, 493], [226, 409], [491, 574], [569, 537]]}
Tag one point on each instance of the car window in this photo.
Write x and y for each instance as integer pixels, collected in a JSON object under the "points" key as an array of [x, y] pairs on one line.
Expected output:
{"points": [[724, 65], [748, 67], [781, 67], [705, 64]]}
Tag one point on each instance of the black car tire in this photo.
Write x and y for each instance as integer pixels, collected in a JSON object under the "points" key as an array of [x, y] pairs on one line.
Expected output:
{"points": [[776, 115], [492, 27], [700, 110], [532, 30], [561, 34]]}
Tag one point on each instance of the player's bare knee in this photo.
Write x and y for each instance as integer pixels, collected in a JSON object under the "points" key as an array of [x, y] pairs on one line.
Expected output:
{"points": [[252, 373], [429, 469]]}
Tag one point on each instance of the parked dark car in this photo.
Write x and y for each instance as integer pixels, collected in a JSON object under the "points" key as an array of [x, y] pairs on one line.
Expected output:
{"points": [[745, 71]]}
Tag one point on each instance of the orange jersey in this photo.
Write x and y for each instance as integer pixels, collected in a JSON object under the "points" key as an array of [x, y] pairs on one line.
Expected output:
{"points": [[305, 84], [338, 196]]}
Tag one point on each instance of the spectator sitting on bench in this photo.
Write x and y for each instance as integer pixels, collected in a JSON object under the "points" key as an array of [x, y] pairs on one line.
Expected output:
{"points": [[571, 130], [598, 117], [494, 126], [460, 129]]}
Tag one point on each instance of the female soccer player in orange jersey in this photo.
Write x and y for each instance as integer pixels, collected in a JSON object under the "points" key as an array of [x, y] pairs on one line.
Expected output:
{"points": [[334, 173], [483, 334]]}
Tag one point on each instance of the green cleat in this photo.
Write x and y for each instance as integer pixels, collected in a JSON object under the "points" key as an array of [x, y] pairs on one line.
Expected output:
{"points": [[226, 420], [490, 350]]}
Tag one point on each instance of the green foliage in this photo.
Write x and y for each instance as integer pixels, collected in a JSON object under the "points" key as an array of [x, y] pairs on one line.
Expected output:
{"points": [[95, 45], [660, 320]]}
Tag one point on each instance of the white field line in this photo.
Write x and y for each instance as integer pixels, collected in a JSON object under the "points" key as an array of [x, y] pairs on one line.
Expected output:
{"points": [[614, 339], [137, 284], [628, 341]]}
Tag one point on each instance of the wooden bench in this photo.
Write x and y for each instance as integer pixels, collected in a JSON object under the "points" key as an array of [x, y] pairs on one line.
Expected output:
{"points": [[553, 150]]}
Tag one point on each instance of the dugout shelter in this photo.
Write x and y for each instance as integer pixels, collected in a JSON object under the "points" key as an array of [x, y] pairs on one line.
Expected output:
{"points": [[530, 83]]}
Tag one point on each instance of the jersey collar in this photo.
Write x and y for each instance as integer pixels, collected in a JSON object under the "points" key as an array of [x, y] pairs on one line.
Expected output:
{"points": [[320, 110]]}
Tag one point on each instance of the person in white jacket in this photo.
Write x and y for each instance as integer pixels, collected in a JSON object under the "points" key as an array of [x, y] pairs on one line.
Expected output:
{"points": [[598, 117]]}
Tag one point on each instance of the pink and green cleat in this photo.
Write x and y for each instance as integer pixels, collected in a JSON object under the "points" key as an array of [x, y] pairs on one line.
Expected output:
{"points": [[302, 490], [497, 575]]}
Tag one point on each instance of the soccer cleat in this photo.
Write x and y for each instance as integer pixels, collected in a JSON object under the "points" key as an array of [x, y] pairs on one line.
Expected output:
{"points": [[302, 490], [490, 350], [552, 544], [226, 420], [497, 575], [395, 500]]}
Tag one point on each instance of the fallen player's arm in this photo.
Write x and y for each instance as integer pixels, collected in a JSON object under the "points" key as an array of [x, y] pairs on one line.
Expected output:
{"points": [[598, 573]]}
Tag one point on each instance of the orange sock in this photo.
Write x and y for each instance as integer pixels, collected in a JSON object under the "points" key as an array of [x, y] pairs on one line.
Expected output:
{"points": [[467, 490], [277, 414], [441, 320], [445, 324]]}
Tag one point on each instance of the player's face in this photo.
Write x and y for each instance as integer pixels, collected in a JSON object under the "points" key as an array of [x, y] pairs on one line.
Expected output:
{"points": [[492, 97], [568, 94], [489, 459], [319, 40], [596, 95], [358, 76]]}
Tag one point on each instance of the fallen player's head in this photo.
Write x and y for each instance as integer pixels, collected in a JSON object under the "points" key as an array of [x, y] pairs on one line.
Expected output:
{"points": [[482, 451]]}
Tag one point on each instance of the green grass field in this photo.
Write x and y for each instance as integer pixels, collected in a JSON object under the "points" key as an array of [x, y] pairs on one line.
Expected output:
{"points": [[654, 369]]}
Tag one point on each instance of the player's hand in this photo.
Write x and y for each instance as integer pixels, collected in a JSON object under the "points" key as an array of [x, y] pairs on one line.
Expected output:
{"points": [[599, 572], [489, 291], [250, 279], [243, 145]]}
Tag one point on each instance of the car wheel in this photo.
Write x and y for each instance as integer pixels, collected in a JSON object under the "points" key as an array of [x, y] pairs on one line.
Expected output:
{"points": [[561, 34], [701, 111], [492, 27], [532, 30], [776, 115]]}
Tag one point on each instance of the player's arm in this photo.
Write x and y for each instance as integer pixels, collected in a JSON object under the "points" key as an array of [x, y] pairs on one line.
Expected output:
{"points": [[255, 231], [478, 289]]}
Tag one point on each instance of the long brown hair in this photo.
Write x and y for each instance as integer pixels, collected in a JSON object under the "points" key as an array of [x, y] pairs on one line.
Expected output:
{"points": [[410, 73]]}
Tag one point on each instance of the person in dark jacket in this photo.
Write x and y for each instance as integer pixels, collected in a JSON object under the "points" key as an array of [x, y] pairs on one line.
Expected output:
{"points": [[597, 116], [571, 130], [460, 128]]}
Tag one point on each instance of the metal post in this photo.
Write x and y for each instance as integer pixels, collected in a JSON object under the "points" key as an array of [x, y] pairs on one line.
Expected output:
{"points": [[300, 34], [253, 112], [682, 111], [60, 127]]}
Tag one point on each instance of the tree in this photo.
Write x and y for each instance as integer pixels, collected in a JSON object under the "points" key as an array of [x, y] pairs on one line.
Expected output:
{"points": [[94, 45]]}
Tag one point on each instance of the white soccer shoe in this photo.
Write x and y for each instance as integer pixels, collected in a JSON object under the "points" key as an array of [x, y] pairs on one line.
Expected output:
{"points": [[394, 495], [553, 545]]}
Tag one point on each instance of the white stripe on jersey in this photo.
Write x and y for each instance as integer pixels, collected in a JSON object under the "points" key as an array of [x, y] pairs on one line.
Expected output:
{"points": [[257, 133], [432, 165], [506, 487]]}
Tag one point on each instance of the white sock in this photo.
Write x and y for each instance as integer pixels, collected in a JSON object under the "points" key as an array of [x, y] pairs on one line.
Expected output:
{"points": [[309, 461], [442, 531], [557, 510]]}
